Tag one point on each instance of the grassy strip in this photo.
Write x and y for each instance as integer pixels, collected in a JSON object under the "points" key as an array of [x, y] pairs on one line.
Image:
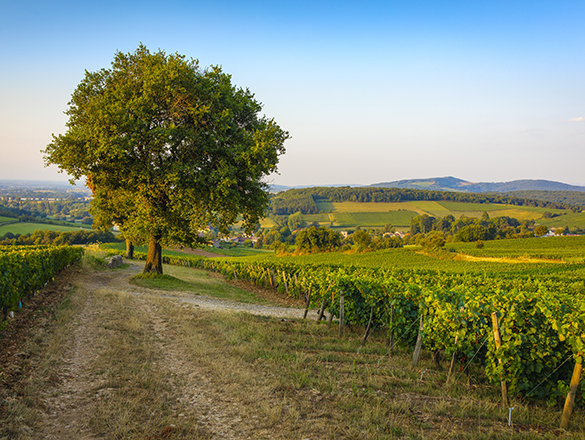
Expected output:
{"points": [[29, 228], [200, 282], [298, 379]]}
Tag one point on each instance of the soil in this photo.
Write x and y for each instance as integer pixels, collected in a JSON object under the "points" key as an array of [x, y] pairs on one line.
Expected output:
{"points": [[36, 313]]}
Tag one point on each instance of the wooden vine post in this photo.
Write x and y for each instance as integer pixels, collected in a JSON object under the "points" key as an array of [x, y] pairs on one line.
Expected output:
{"points": [[390, 340], [308, 303], [570, 400], [285, 283], [369, 327], [498, 345], [341, 312], [418, 346], [321, 310], [452, 366]]}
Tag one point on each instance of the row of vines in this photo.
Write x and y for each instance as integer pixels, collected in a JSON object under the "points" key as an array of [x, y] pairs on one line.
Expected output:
{"points": [[25, 269], [541, 321]]}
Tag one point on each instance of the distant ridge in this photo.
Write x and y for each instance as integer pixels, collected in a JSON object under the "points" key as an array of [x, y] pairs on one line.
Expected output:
{"points": [[277, 188], [459, 185]]}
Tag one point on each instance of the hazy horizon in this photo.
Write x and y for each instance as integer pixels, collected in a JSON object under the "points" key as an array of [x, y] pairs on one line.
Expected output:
{"points": [[82, 184]]}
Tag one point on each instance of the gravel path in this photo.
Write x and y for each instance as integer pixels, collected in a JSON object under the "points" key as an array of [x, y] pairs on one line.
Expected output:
{"points": [[210, 303]]}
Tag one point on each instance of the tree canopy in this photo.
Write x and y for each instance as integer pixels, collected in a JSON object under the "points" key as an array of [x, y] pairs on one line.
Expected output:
{"points": [[317, 240], [188, 147]]}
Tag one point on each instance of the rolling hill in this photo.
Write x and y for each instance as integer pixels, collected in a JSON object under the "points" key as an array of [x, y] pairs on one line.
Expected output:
{"points": [[454, 184]]}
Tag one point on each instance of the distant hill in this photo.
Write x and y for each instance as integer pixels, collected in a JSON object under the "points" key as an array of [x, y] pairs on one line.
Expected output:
{"points": [[459, 185]]}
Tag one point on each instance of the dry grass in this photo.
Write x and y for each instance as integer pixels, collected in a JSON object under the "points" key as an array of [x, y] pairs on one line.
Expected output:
{"points": [[136, 393], [509, 260], [298, 380]]}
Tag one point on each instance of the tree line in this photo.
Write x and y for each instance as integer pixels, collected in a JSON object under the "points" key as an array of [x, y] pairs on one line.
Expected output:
{"points": [[46, 237], [59, 210], [287, 204], [304, 199]]}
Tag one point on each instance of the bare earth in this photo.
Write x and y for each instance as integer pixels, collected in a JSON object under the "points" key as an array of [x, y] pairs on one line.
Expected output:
{"points": [[70, 398]]}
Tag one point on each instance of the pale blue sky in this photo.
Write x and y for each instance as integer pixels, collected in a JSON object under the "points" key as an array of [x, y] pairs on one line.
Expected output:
{"points": [[370, 91]]}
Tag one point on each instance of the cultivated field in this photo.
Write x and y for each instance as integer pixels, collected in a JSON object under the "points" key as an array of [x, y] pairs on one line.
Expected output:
{"points": [[28, 228], [352, 214]]}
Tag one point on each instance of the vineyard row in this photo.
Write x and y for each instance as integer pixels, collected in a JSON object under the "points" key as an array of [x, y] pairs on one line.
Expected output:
{"points": [[541, 322], [25, 270]]}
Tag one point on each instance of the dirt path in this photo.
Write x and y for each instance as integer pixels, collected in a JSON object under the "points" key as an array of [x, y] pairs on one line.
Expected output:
{"points": [[67, 403], [76, 388], [70, 405]]}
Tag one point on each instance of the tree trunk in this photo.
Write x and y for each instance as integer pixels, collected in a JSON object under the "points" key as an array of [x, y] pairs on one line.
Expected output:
{"points": [[154, 256], [129, 250]]}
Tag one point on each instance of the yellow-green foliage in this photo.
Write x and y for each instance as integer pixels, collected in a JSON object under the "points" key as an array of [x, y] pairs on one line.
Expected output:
{"points": [[25, 269]]}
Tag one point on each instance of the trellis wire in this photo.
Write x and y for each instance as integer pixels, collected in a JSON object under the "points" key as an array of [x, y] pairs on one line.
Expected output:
{"points": [[473, 357], [405, 331]]}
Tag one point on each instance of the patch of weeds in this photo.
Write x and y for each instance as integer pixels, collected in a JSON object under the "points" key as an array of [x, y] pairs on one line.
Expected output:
{"points": [[92, 263], [159, 281], [122, 266]]}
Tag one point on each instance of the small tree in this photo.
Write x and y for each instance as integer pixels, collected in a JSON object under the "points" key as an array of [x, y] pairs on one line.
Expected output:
{"points": [[296, 221], [540, 230], [189, 148], [113, 208], [434, 241], [362, 240]]}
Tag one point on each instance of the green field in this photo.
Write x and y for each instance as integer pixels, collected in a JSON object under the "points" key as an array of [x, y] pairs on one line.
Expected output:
{"points": [[373, 219], [569, 219], [29, 228], [352, 214], [7, 219], [568, 249], [322, 219], [267, 223], [571, 250]]}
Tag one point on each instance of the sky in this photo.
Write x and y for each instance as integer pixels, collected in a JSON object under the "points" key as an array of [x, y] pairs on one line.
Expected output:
{"points": [[370, 91]]}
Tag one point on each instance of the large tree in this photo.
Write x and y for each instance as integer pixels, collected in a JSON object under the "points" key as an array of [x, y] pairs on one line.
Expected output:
{"points": [[189, 147]]}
